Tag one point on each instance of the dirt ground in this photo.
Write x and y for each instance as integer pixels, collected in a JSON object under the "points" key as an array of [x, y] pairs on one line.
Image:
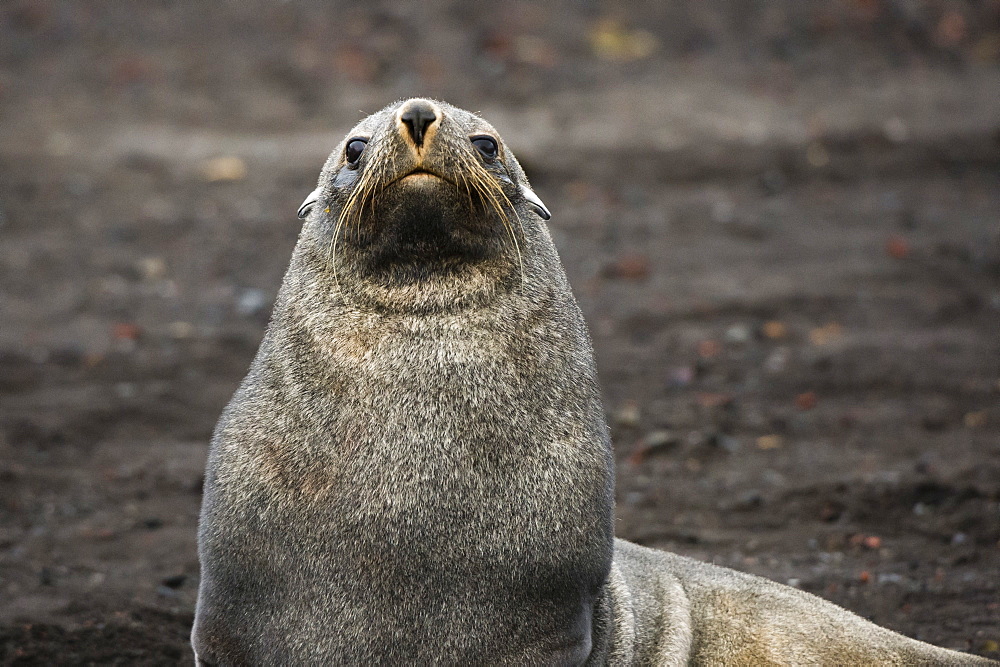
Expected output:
{"points": [[782, 222]]}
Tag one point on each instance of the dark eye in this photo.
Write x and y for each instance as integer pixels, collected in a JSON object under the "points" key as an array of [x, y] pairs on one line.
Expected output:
{"points": [[355, 147], [486, 146]]}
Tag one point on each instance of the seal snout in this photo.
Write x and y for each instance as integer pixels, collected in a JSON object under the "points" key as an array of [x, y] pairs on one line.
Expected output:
{"points": [[417, 119]]}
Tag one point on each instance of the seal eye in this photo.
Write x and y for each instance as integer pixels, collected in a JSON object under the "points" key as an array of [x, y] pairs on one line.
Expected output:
{"points": [[354, 149], [485, 145]]}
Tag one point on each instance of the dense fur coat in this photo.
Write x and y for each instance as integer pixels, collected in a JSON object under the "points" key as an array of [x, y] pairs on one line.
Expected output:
{"points": [[416, 469]]}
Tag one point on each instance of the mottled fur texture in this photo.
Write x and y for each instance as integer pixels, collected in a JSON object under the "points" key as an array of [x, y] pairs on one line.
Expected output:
{"points": [[416, 469]]}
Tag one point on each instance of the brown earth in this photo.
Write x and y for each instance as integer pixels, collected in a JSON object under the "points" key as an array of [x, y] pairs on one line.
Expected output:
{"points": [[780, 219]]}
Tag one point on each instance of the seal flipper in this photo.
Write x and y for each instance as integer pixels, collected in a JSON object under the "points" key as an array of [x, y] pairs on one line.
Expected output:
{"points": [[309, 202], [536, 203]]}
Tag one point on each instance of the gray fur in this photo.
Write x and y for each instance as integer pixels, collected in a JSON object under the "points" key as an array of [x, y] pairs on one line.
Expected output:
{"points": [[416, 469]]}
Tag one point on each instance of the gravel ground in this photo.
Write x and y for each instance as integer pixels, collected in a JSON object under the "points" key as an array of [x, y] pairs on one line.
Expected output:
{"points": [[780, 220]]}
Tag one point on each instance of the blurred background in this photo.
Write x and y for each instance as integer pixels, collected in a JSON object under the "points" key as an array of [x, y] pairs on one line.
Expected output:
{"points": [[780, 219]]}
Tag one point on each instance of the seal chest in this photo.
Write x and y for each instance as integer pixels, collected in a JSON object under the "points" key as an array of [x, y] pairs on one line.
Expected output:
{"points": [[416, 467]]}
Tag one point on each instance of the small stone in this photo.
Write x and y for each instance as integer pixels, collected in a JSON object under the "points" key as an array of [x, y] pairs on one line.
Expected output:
{"points": [[723, 211], [125, 390], [777, 360], [680, 377], [633, 497], [975, 419], [251, 301], [774, 329], [806, 400], [738, 333], [897, 247], [713, 399], [181, 330], [749, 500], [872, 542], [773, 182], [708, 349], [817, 156], [633, 267], [126, 331], [727, 443], [826, 334], [772, 441], [659, 438], [896, 130], [628, 414], [651, 443], [774, 478], [152, 268], [221, 169]]}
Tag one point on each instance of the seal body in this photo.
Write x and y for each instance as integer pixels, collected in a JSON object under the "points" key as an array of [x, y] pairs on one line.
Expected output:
{"points": [[416, 469]]}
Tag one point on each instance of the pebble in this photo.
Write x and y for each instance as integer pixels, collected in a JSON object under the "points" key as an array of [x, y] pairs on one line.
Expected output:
{"points": [[723, 211], [221, 169], [628, 414], [680, 377], [659, 438], [775, 329], [975, 419], [896, 130], [817, 156], [777, 360], [826, 334], [774, 478], [773, 182], [125, 390], [749, 500], [727, 443], [633, 267], [251, 301], [806, 400], [633, 497], [180, 330], [152, 268], [738, 333], [769, 442]]}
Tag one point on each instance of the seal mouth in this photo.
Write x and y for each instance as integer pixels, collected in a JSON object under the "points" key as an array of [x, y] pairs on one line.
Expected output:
{"points": [[420, 176]]}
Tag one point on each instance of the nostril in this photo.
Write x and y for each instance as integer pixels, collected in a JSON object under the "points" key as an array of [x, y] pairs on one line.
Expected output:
{"points": [[418, 118]]}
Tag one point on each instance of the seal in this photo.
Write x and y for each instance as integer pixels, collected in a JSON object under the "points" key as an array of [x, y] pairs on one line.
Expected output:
{"points": [[416, 468]]}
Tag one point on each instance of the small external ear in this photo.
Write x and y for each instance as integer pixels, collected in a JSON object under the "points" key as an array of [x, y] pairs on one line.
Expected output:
{"points": [[307, 205], [536, 203]]}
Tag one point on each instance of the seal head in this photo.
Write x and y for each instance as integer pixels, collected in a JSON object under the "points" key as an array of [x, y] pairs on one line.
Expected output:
{"points": [[423, 193]]}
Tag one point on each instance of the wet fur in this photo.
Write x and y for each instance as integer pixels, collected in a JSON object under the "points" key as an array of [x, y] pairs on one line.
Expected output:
{"points": [[416, 468]]}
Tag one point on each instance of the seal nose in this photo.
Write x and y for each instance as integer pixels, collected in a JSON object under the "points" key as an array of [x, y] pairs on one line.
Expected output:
{"points": [[418, 115]]}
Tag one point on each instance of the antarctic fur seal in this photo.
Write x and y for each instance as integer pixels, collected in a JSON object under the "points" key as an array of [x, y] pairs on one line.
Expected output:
{"points": [[416, 469]]}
